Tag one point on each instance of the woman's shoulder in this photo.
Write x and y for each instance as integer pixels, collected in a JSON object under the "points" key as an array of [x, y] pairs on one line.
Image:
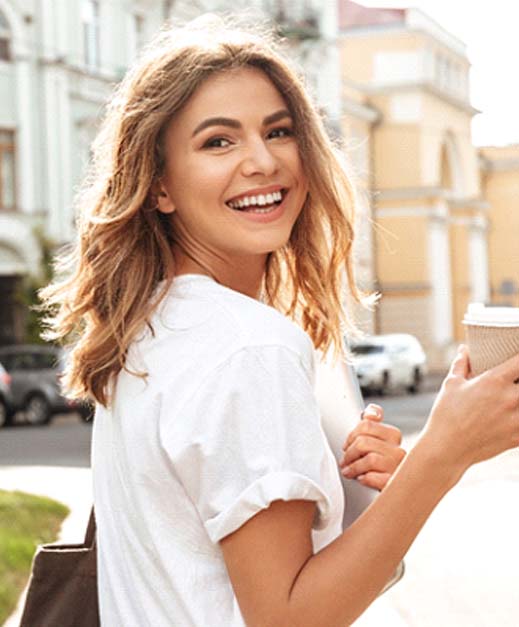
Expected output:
{"points": [[258, 324], [201, 306]]}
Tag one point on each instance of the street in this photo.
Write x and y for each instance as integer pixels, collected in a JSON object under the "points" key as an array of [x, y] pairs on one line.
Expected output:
{"points": [[460, 572], [66, 442]]}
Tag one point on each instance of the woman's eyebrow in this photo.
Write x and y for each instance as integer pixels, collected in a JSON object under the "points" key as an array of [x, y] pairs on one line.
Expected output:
{"points": [[276, 117], [216, 122], [221, 121]]}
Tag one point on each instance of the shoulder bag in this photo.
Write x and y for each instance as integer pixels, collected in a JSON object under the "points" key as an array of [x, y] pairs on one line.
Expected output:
{"points": [[63, 585]]}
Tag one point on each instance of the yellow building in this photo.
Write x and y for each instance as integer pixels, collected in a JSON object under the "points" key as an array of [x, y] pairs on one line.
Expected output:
{"points": [[441, 231], [500, 184]]}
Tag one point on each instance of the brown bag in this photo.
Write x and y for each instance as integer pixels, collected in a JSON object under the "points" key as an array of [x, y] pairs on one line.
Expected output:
{"points": [[63, 585]]}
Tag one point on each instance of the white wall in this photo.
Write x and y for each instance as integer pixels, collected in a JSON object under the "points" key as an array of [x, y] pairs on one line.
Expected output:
{"points": [[49, 97]]}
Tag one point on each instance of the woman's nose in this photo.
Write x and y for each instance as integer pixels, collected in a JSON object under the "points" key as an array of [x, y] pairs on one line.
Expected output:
{"points": [[259, 160]]}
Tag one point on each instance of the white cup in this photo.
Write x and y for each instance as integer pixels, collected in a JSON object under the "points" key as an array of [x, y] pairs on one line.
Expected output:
{"points": [[492, 335]]}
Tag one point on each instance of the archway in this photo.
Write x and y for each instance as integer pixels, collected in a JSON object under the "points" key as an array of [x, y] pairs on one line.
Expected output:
{"points": [[450, 168], [12, 269]]}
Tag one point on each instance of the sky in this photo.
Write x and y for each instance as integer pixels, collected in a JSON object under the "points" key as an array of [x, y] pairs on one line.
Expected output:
{"points": [[491, 32]]}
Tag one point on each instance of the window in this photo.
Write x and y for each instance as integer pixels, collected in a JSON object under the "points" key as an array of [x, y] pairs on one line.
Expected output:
{"points": [[20, 361], [45, 361], [90, 19], [5, 39], [7, 172], [367, 349]]}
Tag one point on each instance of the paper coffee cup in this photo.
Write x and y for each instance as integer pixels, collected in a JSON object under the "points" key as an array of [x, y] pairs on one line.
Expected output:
{"points": [[492, 335]]}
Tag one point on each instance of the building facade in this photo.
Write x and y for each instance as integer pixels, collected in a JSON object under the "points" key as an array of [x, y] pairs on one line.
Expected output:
{"points": [[437, 218], [499, 167], [59, 62], [429, 205]]}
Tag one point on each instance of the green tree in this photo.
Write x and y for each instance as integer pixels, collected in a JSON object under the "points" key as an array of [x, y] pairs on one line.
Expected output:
{"points": [[27, 295]]}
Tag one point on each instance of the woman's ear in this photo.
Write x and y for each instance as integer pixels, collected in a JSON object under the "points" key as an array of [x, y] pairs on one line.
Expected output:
{"points": [[164, 202]]}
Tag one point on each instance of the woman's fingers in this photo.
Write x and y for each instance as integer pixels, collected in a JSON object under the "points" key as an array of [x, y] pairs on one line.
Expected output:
{"points": [[364, 446], [386, 462], [474, 419], [373, 412], [508, 370], [460, 365], [368, 427]]}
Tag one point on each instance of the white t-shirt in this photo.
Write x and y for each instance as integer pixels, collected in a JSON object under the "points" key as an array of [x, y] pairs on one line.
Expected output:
{"points": [[226, 423]]}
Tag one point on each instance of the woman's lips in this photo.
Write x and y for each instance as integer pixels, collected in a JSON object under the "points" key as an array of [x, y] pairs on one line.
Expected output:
{"points": [[263, 214], [257, 199]]}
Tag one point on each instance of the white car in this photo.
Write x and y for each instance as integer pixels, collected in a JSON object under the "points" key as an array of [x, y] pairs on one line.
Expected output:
{"points": [[387, 362]]}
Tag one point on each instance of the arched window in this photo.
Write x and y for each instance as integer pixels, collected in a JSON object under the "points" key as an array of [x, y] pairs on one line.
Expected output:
{"points": [[5, 39]]}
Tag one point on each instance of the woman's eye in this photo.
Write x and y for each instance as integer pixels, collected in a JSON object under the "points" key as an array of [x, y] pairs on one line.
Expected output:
{"points": [[281, 132], [217, 142]]}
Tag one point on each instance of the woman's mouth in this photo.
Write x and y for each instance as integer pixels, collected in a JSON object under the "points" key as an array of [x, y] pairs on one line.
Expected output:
{"points": [[258, 203]]}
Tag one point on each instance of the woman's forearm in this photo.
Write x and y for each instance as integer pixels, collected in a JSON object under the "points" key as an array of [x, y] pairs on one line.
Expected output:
{"points": [[363, 558]]}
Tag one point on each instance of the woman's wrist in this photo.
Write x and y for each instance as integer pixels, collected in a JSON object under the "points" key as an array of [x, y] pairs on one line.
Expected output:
{"points": [[439, 462]]}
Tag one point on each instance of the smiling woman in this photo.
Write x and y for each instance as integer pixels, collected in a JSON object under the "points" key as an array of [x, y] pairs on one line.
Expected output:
{"points": [[224, 214], [209, 115], [215, 231]]}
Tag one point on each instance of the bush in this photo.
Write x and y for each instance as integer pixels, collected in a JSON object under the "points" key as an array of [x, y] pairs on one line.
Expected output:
{"points": [[25, 522], [28, 293]]}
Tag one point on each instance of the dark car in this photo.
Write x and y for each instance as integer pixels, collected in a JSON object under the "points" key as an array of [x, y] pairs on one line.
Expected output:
{"points": [[6, 402], [33, 373]]}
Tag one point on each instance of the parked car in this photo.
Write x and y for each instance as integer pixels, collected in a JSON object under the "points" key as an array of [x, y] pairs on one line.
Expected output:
{"points": [[6, 401], [33, 373], [387, 362]]}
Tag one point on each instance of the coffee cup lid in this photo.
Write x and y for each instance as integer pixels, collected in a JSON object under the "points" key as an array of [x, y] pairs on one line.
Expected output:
{"points": [[479, 315]]}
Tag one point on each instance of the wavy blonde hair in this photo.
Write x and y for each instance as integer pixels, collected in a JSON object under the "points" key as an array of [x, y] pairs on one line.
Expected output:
{"points": [[110, 277]]}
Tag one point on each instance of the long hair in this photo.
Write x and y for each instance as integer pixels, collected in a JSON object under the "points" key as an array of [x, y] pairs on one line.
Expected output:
{"points": [[121, 265]]}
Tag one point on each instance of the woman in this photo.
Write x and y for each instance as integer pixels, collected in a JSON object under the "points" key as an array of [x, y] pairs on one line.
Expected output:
{"points": [[216, 206]]}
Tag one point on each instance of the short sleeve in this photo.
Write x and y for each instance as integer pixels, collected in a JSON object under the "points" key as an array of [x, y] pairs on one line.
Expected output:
{"points": [[251, 434]]}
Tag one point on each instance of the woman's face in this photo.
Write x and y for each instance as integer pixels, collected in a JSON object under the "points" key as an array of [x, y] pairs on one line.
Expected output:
{"points": [[233, 182]]}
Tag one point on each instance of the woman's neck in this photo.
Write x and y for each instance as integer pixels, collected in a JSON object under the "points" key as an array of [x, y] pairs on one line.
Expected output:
{"points": [[244, 275]]}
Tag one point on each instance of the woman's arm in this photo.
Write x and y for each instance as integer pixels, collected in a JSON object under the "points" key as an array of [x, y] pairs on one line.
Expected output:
{"points": [[277, 578]]}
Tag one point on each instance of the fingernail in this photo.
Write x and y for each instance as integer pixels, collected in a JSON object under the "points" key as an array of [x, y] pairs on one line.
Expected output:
{"points": [[361, 477], [346, 470]]}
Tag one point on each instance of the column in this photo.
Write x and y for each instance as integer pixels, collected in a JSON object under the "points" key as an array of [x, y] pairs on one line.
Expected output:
{"points": [[58, 144], [26, 163], [478, 260], [440, 277], [329, 75]]}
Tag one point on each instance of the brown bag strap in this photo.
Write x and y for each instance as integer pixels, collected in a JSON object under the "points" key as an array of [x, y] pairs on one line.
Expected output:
{"points": [[90, 536]]}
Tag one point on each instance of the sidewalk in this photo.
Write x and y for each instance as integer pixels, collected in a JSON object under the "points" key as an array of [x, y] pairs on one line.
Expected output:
{"points": [[461, 571], [70, 486]]}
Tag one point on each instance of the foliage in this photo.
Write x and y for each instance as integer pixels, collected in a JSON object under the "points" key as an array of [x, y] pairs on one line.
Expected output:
{"points": [[25, 522], [27, 295]]}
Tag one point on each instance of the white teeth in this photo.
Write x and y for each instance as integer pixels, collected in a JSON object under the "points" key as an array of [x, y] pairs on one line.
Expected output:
{"points": [[268, 209], [259, 200]]}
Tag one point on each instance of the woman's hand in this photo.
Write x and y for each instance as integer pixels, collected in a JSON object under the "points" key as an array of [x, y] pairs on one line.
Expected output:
{"points": [[372, 450], [473, 418]]}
